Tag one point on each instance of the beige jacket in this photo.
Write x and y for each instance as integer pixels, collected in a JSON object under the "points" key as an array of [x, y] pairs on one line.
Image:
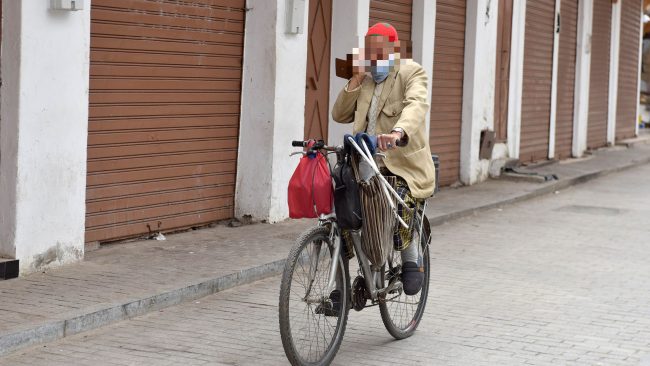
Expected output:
{"points": [[403, 104]]}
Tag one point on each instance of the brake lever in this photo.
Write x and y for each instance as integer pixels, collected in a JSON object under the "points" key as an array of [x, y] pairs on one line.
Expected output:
{"points": [[298, 152]]}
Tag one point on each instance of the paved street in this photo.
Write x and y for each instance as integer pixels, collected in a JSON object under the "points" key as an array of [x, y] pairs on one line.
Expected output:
{"points": [[561, 279]]}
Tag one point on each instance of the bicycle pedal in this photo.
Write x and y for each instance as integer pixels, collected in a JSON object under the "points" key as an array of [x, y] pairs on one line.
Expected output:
{"points": [[331, 307], [360, 294], [327, 310]]}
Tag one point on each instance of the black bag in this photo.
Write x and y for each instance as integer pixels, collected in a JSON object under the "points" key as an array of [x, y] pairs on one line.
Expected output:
{"points": [[346, 196]]}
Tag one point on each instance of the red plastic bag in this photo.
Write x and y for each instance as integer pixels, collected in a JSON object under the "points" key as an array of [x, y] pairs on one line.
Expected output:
{"points": [[310, 188]]}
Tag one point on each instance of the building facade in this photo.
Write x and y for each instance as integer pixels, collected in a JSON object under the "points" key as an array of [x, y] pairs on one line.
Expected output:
{"points": [[124, 118]]}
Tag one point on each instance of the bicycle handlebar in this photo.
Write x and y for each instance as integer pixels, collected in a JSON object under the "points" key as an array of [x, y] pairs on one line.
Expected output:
{"points": [[320, 145], [316, 145]]}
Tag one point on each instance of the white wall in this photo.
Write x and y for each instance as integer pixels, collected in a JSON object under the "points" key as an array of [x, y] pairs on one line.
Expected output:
{"points": [[516, 76], [349, 25], [272, 112], [254, 163], [638, 85], [583, 68], [44, 119], [291, 68], [423, 32], [9, 131], [613, 71], [478, 86], [554, 84]]}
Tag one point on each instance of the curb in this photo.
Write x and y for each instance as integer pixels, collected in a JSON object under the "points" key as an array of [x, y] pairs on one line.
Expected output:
{"points": [[544, 190], [633, 142], [92, 320], [61, 328]]}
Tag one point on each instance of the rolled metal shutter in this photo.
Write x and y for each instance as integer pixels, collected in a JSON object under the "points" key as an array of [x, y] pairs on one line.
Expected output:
{"points": [[566, 73], [447, 87], [599, 78], [397, 13], [165, 81], [628, 69], [538, 69]]}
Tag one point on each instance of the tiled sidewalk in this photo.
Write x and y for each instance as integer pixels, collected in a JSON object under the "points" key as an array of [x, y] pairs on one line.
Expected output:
{"points": [[126, 280]]}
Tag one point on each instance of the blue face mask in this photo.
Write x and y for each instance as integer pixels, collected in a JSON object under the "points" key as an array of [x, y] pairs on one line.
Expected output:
{"points": [[379, 73], [381, 70]]}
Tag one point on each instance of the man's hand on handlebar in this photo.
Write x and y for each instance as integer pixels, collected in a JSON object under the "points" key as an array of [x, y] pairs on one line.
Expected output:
{"points": [[388, 141]]}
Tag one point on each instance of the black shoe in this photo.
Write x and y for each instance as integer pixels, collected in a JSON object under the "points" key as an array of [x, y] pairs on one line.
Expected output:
{"points": [[332, 307], [412, 278]]}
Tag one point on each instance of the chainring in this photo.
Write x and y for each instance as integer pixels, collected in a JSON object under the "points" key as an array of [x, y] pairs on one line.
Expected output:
{"points": [[360, 294]]}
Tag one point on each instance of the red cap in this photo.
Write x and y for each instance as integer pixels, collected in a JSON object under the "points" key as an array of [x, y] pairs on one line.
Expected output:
{"points": [[383, 29]]}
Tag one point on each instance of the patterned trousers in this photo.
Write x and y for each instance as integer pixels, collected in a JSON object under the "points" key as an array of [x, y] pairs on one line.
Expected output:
{"points": [[402, 236]]}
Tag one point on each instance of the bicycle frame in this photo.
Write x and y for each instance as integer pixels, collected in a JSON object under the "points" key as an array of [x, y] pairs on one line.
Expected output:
{"points": [[371, 278]]}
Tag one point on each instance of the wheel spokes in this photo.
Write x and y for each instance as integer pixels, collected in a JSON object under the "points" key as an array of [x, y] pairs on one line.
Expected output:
{"points": [[312, 331]]}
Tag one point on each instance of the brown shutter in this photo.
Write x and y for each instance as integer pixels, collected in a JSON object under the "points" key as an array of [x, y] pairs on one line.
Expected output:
{"points": [[538, 69], [397, 13], [599, 79], [628, 70], [317, 89], [566, 74], [165, 83], [447, 87]]}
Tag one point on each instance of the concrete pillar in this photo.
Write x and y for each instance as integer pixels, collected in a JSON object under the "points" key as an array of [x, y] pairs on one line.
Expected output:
{"points": [[44, 132], [615, 46], [423, 30], [349, 25], [583, 68], [638, 85], [272, 112], [556, 54], [478, 86], [516, 77]]}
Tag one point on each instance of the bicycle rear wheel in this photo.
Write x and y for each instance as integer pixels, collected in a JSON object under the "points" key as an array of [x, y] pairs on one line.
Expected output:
{"points": [[400, 312], [312, 321]]}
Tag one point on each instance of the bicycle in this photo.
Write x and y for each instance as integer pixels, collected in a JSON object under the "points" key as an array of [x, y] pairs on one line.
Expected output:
{"points": [[316, 294]]}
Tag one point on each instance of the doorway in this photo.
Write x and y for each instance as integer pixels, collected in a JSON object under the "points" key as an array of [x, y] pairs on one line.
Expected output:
{"points": [[502, 80], [318, 69]]}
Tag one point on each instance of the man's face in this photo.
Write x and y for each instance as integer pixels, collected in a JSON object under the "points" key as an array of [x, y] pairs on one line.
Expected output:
{"points": [[377, 51], [377, 48]]}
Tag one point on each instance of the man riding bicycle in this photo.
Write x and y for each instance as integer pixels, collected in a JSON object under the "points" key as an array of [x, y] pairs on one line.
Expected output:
{"points": [[391, 103]]}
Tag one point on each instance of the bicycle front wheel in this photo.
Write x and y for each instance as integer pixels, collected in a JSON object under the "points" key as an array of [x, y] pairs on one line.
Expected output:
{"points": [[400, 312], [312, 318]]}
